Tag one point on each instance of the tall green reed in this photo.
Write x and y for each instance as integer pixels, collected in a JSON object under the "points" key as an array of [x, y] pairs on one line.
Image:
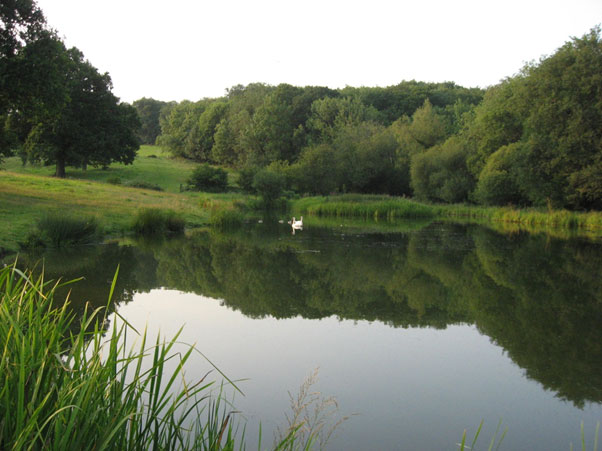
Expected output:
{"points": [[83, 390], [61, 230]]}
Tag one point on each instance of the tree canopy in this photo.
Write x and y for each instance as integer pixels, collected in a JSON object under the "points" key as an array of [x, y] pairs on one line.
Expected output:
{"points": [[533, 139], [56, 107]]}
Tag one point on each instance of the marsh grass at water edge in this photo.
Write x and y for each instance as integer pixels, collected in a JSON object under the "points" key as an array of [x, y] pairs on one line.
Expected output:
{"points": [[80, 390]]}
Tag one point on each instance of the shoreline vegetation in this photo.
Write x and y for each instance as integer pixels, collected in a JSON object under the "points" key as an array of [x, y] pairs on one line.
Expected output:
{"points": [[29, 195], [71, 382], [391, 208]]}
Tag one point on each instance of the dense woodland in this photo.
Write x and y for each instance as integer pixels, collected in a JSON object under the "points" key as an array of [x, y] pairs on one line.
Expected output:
{"points": [[532, 140]]}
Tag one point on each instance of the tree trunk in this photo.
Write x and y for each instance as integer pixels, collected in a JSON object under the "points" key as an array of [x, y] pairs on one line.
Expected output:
{"points": [[60, 168]]}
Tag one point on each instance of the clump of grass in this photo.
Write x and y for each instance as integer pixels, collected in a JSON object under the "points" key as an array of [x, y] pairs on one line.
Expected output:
{"points": [[224, 218], [313, 419], [156, 222], [492, 443], [143, 185], [61, 230], [596, 436], [33, 241], [61, 389], [368, 207], [114, 180]]}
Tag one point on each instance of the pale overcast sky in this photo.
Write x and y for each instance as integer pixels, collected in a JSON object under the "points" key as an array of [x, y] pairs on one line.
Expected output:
{"points": [[187, 49]]}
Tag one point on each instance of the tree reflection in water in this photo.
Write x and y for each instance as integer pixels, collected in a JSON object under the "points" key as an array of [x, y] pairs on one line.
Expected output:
{"points": [[540, 298]]}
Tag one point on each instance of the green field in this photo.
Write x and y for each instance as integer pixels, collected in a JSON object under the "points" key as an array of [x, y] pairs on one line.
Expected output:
{"points": [[27, 193], [152, 164]]}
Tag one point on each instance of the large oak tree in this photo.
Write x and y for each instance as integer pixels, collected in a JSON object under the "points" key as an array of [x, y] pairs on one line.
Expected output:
{"points": [[75, 120]]}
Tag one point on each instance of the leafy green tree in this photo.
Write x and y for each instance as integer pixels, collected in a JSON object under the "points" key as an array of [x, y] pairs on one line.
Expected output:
{"points": [[497, 122], [269, 183], [403, 99], [180, 129], [553, 109], [361, 158], [21, 22], [270, 136], [329, 115], [316, 171], [80, 122], [245, 179], [224, 150], [565, 136], [441, 174], [425, 129], [500, 180], [209, 179], [208, 122], [149, 112], [234, 138]]}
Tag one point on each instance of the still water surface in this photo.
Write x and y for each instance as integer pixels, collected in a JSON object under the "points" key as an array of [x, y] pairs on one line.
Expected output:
{"points": [[420, 331]]}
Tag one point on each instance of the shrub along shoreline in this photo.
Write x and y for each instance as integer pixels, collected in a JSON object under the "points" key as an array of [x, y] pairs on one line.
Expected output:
{"points": [[27, 199], [391, 208]]}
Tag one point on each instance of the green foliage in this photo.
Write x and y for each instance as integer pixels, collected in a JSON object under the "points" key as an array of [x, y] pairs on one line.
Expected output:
{"points": [[224, 218], [425, 129], [209, 179], [60, 229], [180, 128], [360, 158], [316, 171], [143, 185], [207, 124], [269, 183], [497, 122], [245, 179], [552, 109], [440, 173], [367, 207], [114, 180], [500, 180], [21, 23], [330, 114], [66, 386], [406, 97], [74, 119], [155, 222], [149, 111], [565, 139]]}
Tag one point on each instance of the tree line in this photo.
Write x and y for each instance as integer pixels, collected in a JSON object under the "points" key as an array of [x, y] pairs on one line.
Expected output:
{"points": [[55, 106], [532, 140]]}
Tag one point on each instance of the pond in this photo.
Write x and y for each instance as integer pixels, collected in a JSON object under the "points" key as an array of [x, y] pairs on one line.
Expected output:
{"points": [[419, 330]]}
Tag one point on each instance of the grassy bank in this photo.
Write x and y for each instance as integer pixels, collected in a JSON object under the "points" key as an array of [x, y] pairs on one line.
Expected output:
{"points": [[152, 165], [26, 199], [28, 194], [391, 208]]}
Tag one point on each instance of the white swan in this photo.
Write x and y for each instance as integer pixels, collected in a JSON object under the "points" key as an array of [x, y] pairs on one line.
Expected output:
{"points": [[297, 224]]}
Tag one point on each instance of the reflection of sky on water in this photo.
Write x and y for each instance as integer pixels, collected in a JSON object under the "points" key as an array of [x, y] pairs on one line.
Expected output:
{"points": [[411, 388]]}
